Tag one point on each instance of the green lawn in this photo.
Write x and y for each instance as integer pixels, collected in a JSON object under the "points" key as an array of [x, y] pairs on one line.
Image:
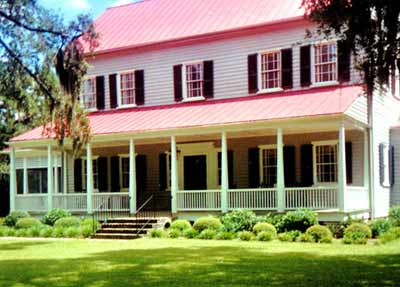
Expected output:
{"points": [[167, 262]]}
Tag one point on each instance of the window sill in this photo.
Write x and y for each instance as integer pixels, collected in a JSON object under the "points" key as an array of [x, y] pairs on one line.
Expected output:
{"points": [[266, 91], [127, 106], [324, 84], [194, 99]]}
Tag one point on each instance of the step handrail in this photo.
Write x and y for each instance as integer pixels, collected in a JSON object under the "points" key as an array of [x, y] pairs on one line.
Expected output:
{"points": [[152, 213]]}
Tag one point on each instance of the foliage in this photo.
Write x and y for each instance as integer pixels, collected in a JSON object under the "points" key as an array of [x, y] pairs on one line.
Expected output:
{"points": [[319, 234], [379, 226], [337, 228], [34, 231], [181, 225], [208, 222], [207, 234], [300, 219], [239, 220], [357, 233], [174, 233], [87, 231], [55, 214], [390, 235], [394, 215], [156, 233], [289, 236], [265, 236], [14, 216], [21, 233], [274, 219], [190, 233], [46, 232], [27, 222], [6, 231], [72, 232], [246, 235], [66, 222], [58, 232], [225, 235], [90, 222], [264, 226], [1, 221]]}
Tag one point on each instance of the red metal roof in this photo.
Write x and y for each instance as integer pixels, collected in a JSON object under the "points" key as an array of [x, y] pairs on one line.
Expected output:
{"points": [[282, 105], [154, 21]]}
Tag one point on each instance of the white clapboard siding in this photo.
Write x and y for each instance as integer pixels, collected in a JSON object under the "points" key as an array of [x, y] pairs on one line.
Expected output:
{"points": [[358, 110]]}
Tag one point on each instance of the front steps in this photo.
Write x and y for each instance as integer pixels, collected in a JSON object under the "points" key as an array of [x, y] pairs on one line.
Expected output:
{"points": [[128, 228]]}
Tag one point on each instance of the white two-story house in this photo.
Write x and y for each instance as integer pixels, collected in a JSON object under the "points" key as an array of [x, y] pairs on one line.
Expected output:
{"points": [[206, 106]]}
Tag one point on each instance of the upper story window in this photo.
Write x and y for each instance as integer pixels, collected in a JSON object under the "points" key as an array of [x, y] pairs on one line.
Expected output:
{"points": [[194, 80], [326, 170], [89, 94], [271, 70], [127, 91], [325, 62]]}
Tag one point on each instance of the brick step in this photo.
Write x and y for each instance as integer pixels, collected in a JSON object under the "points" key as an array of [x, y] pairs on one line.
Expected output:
{"points": [[123, 231], [115, 236], [127, 225], [132, 220]]}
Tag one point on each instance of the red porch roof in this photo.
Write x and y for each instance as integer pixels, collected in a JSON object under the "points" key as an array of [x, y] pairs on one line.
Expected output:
{"points": [[282, 105], [154, 21]]}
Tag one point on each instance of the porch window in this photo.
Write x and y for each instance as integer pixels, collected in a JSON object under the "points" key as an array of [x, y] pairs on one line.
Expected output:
{"points": [[20, 181], [194, 80], [127, 91], [95, 173], [89, 94], [125, 172], [271, 70], [37, 180], [326, 163], [325, 62], [268, 162]]}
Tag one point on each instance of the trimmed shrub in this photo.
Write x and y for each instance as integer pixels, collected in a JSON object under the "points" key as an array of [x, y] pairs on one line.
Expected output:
{"points": [[34, 231], [92, 223], [156, 233], [357, 233], [379, 226], [190, 233], [27, 222], [66, 222], [239, 220], [290, 236], [225, 235], [58, 232], [319, 234], [390, 235], [87, 231], [46, 232], [208, 222], [73, 232], [265, 236], [5, 231], [246, 235], [174, 233], [55, 214], [300, 220], [264, 226], [21, 233], [181, 225], [11, 219], [274, 219], [394, 215], [207, 234], [303, 238], [1, 221]]}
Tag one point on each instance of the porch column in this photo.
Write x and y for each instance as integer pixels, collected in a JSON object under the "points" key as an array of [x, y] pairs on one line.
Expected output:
{"points": [[280, 181], [56, 185], [13, 179], [65, 169], [174, 175], [89, 179], [25, 176], [366, 161], [132, 177], [49, 177], [341, 167], [224, 174]]}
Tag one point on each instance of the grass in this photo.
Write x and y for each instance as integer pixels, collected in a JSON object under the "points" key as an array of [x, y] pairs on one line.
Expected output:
{"points": [[168, 262]]}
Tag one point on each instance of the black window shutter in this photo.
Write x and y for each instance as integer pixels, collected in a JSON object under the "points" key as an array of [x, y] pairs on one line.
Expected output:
{"points": [[289, 158], [162, 169], [115, 184], [78, 175], [102, 171], [254, 168], [139, 87], [208, 79], [100, 92], [344, 60], [230, 169], [307, 165], [287, 68], [391, 165], [305, 66], [113, 90], [252, 67], [349, 162], [141, 172], [178, 83]]}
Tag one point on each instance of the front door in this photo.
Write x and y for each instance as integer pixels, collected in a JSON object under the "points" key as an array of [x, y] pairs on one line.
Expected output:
{"points": [[195, 172]]}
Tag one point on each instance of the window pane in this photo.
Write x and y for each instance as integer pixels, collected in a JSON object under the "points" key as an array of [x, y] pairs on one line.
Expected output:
{"points": [[325, 62], [127, 88], [271, 70], [194, 80], [89, 93], [326, 163]]}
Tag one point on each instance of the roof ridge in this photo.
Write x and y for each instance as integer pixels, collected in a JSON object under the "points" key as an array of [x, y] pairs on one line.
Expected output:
{"points": [[127, 4]]}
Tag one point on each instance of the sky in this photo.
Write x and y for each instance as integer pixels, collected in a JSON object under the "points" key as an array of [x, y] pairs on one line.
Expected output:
{"points": [[71, 8]]}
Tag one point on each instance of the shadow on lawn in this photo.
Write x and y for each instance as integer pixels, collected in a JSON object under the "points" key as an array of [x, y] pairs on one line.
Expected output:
{"points": [[208, 266], [19, 245]]}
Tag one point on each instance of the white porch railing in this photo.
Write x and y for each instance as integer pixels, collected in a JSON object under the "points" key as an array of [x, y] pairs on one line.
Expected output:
{"points": [[256, 199], [311, 197], [72, 201], [356, 198], [198, 200], [31, 202], [111, 201]]}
